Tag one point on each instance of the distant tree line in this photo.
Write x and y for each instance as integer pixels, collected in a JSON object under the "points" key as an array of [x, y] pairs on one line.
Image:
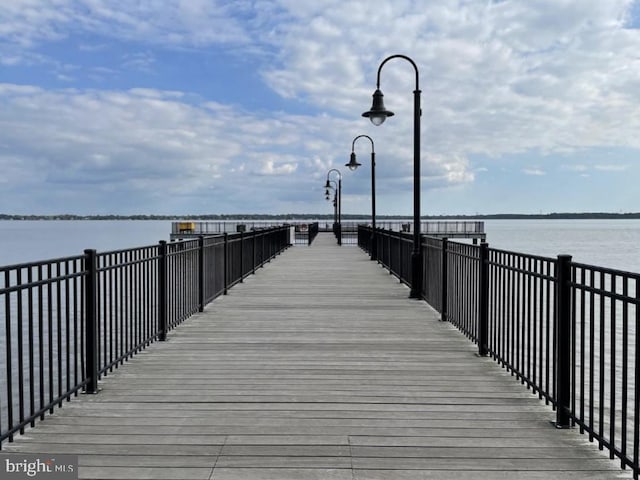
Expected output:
{"points": [[307, 216]]}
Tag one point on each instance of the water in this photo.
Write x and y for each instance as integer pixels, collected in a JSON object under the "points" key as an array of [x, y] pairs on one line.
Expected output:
{"points": [[606, 243], [25, 241]]}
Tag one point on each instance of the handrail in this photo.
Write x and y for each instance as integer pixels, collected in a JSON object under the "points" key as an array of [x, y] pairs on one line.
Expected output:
{"points": [[564, 329], [66, 323]]}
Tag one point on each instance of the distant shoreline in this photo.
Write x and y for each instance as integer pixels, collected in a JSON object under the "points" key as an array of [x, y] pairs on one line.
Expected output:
{"points": [[345, 217]]}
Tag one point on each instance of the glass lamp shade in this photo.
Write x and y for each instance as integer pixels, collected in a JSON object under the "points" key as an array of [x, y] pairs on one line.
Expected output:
{"points": [[378, 113], [353, 163]]}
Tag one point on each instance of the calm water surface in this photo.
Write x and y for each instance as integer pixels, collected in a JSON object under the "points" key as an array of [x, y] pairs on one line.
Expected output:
{"points": [[25, 240], [608, 243]]}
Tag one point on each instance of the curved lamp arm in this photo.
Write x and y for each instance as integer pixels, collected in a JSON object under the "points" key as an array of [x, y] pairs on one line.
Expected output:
{"points": [[415, 67]]}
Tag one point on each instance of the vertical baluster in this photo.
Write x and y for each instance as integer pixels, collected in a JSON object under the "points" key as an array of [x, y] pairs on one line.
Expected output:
{"points": [[444, 280], [20, 340], [612, 368], [625, 366], [483, 301], [8, 353], [162, 291], [31, 333]]}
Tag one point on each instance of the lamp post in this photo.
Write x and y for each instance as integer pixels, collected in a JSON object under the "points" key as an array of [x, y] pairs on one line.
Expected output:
{"points": [[335, 195], [353, 165], [339, 201], [378, 114]]}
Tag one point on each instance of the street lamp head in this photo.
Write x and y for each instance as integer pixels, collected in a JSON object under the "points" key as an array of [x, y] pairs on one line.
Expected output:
{"points": [[353, 163], [327, 185], [378, 114]]}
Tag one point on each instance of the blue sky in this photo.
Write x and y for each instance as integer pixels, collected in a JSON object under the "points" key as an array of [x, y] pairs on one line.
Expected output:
{"points": [[209, 106]]}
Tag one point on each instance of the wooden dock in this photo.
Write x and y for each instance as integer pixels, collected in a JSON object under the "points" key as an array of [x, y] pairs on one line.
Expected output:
{"points": [[319, 367]]}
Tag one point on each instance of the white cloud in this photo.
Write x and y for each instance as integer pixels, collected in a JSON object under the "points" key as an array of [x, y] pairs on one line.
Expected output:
{"points": [[193, 23], [610, 168], [142, 61], [270, 167], [147, 143], [536, 172], [498, 78], [575, 168]]}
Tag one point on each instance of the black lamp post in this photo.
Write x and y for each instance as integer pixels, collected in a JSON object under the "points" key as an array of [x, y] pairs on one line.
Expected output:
{"points": [[339, 201], [378, 114], [353, 165], [335, 195]]}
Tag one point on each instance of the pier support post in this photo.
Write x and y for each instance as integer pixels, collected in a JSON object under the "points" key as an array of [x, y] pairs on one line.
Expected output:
{"points": [[443, 309], [91, 318], [162, 291], [483, 302], [563, 338]]}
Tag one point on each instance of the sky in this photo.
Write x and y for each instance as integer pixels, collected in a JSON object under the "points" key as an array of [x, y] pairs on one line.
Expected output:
{"points": [[243, 106]]}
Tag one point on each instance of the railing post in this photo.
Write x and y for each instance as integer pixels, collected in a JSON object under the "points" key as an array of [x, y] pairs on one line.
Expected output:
{"points": [[201, 267], [241, 257], [373, 247], [443, 309], [563, 339], [400, 262], [91, 318], [389, 250], [226, 263], [483, 302], [162, 291], [253, 251]]}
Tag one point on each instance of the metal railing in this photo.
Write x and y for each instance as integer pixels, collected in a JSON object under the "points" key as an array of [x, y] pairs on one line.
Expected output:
{"points": [[65, 323], [305, 233], [349, 233], [564, 329], [393, 250], [207, 228]]}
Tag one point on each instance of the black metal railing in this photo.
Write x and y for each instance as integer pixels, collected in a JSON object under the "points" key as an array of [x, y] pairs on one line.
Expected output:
{"points": [[41, 306], [393, 250], [349, 233], [208, 228], [564, 329], [305, 233], [313, 232], [65, 323]]}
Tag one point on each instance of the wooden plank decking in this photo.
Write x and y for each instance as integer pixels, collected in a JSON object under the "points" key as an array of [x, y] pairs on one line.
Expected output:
{"points": [[317, 367]]}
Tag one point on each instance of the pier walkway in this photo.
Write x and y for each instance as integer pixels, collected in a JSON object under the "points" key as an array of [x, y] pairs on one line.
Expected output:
{"points": [[318, 367]]}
